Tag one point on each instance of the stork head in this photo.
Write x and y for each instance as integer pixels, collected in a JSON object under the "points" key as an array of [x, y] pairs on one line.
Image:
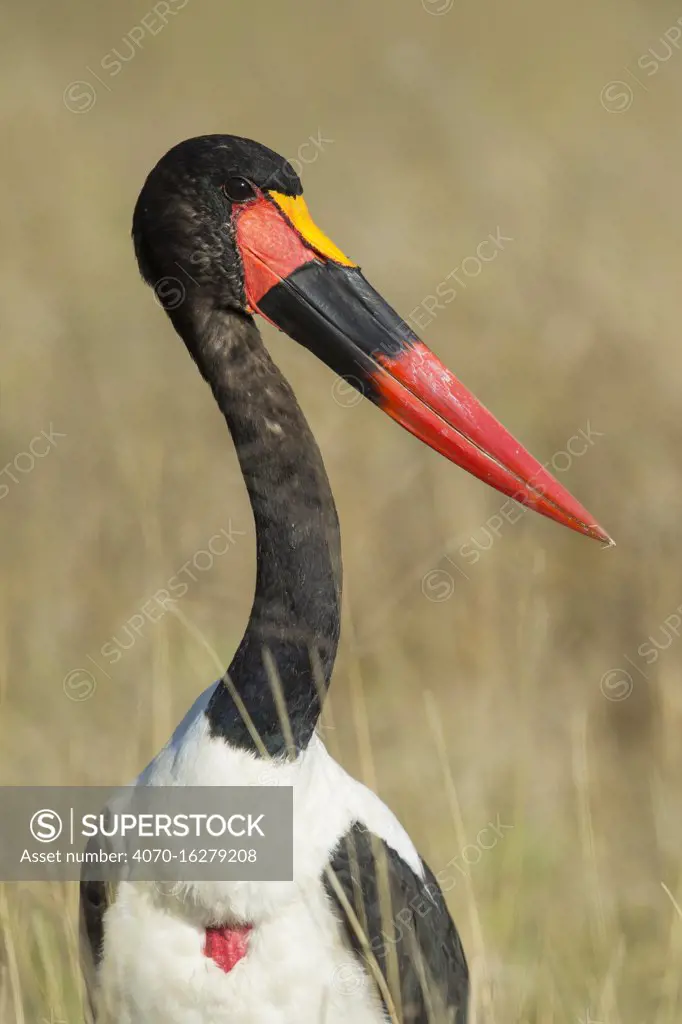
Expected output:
{"points": [[221, 222]]}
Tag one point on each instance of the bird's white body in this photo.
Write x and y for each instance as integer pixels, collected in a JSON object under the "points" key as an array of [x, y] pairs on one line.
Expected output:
{"points": [[298, 968]]}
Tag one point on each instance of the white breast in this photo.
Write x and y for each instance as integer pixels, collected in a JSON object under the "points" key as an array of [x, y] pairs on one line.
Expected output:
{"points": [[297, 969]]}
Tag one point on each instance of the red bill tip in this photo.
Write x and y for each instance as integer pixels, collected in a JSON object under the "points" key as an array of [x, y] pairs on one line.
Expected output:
{"points": [[421, 394]]}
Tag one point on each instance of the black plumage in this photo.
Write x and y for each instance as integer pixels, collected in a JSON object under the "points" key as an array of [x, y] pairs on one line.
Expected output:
{"points": [[182, 230], [407, 929]]}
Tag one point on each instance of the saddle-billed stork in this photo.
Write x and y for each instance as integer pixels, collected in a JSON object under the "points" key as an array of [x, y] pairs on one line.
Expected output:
{"points": [[226, 216]]}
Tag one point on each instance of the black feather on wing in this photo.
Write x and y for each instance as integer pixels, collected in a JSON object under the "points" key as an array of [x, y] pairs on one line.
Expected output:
{"points": [[95, 898], [407, 931]]}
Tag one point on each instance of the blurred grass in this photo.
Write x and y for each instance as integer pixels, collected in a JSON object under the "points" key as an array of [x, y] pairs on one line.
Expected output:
{"points": [[443, 129]]}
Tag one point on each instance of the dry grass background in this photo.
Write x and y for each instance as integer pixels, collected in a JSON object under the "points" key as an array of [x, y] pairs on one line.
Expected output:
{"points": [[443, 128]]}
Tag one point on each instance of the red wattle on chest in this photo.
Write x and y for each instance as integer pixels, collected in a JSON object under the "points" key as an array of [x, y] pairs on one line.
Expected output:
{"points": [[227, 946]]}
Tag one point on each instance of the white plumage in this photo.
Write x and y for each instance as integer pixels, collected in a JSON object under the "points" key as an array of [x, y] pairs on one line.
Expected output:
{"points": [[298, 969]]}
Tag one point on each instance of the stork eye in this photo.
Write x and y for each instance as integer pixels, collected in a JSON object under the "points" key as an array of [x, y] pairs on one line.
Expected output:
{"points": [[239, 190]]}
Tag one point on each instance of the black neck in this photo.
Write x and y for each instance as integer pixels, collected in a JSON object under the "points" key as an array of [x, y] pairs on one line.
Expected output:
{"points": [[295, 617]]}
